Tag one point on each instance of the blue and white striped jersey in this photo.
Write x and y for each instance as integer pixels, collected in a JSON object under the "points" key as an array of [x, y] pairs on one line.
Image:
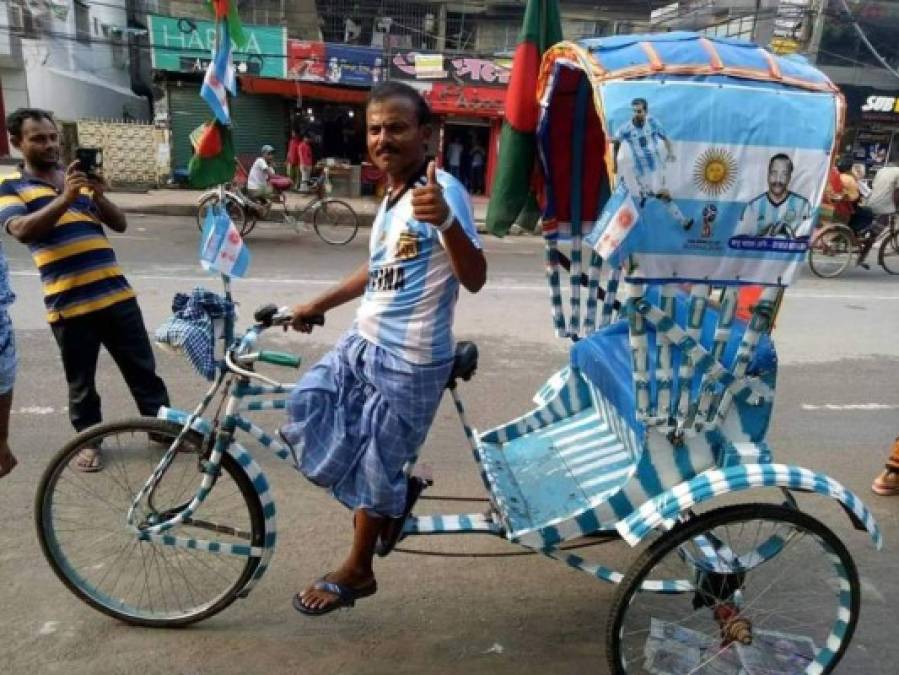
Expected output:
{"points": [[410, 300], [765, 218], [644, 144]]}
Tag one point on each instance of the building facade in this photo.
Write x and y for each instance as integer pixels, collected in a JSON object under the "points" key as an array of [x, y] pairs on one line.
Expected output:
{"points": [[310, 65], [70, 57]]}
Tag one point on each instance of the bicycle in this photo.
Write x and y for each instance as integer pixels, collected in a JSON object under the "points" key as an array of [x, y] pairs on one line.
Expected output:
{"points": [[834, 246], [334, 221]]}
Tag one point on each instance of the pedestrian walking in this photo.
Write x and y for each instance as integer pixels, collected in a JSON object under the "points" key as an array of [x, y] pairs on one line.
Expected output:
{"points": [[357, 418], [7, 364], [60, 215]]}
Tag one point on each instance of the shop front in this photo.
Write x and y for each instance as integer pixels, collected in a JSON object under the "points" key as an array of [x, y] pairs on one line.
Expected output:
{"points": [[467, 96], [872, 126], [180, 52]]}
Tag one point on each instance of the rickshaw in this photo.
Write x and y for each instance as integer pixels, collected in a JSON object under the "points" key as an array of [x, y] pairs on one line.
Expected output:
{"points": [[678, 169]]}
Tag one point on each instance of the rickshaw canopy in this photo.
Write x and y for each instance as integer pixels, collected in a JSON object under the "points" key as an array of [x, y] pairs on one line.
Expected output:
{"points": [[690, 158]]}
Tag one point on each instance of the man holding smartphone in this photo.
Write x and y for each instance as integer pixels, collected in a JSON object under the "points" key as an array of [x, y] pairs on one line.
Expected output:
{"points": [[59, 214]]}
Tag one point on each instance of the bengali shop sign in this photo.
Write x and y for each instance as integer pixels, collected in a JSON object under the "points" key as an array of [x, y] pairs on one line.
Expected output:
{"points": [[475, 70]]}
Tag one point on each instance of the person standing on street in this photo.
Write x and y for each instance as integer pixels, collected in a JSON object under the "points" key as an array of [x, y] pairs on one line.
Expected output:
{"points": [[359, 416], [60, 214], [306, 161], [7, 365]]}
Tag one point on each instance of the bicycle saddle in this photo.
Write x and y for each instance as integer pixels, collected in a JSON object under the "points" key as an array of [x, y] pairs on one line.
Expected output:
{"points": [[465, 364]]}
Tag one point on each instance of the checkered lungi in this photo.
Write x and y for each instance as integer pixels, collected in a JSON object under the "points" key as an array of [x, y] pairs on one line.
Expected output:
{"points": [[358, 418]]}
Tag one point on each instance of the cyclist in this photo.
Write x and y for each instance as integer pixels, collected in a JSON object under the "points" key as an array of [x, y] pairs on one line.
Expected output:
{"points": [[881, 204], [357, 418], [258, 186]]}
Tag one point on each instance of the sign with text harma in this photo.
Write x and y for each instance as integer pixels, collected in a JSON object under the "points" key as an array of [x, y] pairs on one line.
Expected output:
{"points": [[475, 70], [185, 46]]}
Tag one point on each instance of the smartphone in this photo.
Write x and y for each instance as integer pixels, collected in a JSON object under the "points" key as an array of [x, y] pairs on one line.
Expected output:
{"points": [[90, 160]]}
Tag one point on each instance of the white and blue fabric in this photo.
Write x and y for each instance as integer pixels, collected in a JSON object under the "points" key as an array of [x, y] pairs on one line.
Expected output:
{"points": [[220, 78], [8, 358], [191, 328], [410, 300], [221, 247], [357, 419], [644, 143]]}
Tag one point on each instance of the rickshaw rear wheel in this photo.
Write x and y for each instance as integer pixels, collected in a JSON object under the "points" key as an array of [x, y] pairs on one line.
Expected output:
{"points": [[760, 582]]}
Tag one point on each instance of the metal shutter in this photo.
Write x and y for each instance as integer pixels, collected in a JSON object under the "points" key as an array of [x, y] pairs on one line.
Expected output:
{"points": [[256, 120]]}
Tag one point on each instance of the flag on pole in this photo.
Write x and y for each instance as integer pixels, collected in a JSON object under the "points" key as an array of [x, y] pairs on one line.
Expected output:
{"points": [[227, 10], [541, 29], [221, 247], [221, 77], [617, 221], [213, 160]]}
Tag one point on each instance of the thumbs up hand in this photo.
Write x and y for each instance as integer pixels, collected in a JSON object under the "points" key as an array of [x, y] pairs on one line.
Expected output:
{"points": [[428, 205]]}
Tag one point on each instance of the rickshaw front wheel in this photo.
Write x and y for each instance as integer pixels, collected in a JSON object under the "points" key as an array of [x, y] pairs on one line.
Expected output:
{"points": [[741, 588]]}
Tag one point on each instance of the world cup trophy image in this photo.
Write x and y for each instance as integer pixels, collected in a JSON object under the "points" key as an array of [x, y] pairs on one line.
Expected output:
{"points": [[709, 213]]}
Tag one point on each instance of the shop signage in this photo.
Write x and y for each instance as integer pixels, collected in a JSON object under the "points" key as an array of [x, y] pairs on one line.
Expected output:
{"points": [[882, 104], [483, 71], [452, 99], [337, 64], [185, 45]]}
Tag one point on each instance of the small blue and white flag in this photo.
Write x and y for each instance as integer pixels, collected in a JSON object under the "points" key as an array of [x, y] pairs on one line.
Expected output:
{"points": [[220, 76], [221, 247], [616, 222]]}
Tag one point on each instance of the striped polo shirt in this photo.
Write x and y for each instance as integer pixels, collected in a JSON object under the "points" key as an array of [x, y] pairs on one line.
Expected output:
{"points": [[77, 264]]}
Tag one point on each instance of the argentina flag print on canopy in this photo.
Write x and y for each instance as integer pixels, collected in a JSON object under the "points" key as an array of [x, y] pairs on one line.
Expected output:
{"points": [[723, 147]]}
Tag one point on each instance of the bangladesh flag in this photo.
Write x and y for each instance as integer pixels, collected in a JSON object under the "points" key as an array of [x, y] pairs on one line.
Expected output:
{"points": [[226, 10], [541, 29], [213, 160]]}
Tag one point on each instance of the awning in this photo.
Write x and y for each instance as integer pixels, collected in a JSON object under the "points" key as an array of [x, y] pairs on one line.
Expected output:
{"points": [[293, 88]]}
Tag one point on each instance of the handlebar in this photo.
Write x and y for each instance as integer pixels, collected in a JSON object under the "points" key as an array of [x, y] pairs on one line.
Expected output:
{"points": [[240, 359]]}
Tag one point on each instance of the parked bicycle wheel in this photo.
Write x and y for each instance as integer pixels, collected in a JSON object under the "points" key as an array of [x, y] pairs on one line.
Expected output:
{"points": [[771, 589], [888, 256], [235, 211], [831, 251], [81, 522], [335, 222]]}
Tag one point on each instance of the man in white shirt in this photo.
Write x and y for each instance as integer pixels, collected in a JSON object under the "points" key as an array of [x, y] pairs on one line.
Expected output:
{"points": [[454, 157], [262, 169], [884, 195]]}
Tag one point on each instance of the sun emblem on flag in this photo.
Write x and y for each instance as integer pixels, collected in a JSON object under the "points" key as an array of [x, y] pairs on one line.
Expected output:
{"points": [[715, 171], [625, 219]]}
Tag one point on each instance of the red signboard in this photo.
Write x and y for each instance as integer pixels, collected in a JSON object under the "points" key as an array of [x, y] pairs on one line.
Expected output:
{"points": [[306, 60], [451, 99]]}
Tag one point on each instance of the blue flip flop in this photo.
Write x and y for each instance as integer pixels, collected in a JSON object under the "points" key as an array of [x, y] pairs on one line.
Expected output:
{"points": [[346, 596]]}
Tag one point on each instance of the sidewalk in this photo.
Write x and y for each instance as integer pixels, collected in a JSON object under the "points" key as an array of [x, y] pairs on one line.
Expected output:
{"points": [[177, 202]]}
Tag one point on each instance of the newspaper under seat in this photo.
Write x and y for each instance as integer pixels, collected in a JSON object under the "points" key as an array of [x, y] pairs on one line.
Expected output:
{"points": [[558, 462]]}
